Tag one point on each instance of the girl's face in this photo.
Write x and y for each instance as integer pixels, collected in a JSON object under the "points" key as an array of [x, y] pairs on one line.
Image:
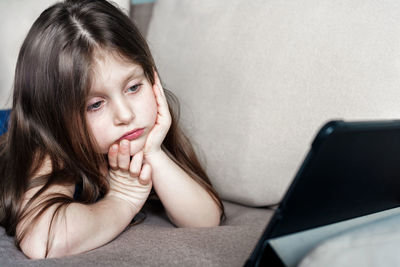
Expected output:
{"points": [[121, 103]]}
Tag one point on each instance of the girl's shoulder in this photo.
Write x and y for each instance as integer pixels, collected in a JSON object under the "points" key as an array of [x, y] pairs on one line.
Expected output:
{"points": [[32, 229]]}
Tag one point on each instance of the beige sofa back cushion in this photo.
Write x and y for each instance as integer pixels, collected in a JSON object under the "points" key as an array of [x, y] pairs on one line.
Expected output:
{"points": [[257, 79]]}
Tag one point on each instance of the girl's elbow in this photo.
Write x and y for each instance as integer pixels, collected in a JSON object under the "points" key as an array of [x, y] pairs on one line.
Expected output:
{"points": [[38, 249], [33, 250], [34, 254], [215, 221], [210, 217]]}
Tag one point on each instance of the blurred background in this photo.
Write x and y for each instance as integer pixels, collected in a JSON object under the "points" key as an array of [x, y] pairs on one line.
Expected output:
{"points": [[18, 16]]}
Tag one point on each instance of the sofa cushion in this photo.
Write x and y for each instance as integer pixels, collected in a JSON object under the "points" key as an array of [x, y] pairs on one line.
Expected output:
{"points": [[256, 80], [156, 242]]}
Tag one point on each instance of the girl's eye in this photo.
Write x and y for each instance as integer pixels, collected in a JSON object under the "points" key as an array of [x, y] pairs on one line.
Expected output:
{"points": [[134, 89], [94, 106]]}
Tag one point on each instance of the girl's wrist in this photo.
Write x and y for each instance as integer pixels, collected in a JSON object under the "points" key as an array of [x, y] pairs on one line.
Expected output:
{"points": [[120, 202], [154, 156]]}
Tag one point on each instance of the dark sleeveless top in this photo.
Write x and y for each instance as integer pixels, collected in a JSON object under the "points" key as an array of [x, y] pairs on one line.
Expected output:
{"points": [[78, 191]]}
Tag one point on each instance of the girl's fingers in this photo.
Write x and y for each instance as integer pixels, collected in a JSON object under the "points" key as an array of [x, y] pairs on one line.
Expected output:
{"points": [[123, 155], [160, 95], [145, 174], [158, 83], [136, 164], [163, 110], [112, 157]]}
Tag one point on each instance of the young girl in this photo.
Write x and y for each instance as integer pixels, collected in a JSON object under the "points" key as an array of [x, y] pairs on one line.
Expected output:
{"points": [[89, 112]]}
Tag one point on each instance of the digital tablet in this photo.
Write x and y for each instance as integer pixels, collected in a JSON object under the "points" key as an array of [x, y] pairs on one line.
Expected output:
{"points": [[350, 176]]}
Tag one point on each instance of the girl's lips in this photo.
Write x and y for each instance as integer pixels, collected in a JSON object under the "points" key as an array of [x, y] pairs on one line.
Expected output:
{"points": [[132, 135]]}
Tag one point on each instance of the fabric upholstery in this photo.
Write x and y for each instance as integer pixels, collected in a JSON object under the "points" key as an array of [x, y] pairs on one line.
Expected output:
{"points": [[156, 242], [258, 78]]}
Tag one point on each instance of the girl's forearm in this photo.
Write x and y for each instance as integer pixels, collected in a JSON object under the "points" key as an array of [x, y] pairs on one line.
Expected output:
{"points": [[81, 228], [186, 202], [91, 226]]}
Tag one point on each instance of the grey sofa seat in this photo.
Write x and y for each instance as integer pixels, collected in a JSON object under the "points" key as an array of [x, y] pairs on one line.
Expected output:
{"points": [[156, 242]]}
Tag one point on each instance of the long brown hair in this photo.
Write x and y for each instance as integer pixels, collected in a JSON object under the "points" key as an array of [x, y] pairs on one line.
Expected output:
{"points": [[51, 83]]}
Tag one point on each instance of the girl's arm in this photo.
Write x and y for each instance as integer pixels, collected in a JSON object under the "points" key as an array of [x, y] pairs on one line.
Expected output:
{"points": [[85, 227], [186, 202], [81, 228]]}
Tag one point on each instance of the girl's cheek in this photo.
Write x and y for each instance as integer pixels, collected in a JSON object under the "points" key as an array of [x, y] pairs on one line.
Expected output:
{"points": [[98, 130]]}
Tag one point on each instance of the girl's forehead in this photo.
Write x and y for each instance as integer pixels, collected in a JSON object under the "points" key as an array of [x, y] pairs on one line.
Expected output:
{"points": [[112, 67], [104, 57]]}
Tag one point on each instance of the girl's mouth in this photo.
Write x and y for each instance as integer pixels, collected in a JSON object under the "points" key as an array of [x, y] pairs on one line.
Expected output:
{"points": [[132, 135]]}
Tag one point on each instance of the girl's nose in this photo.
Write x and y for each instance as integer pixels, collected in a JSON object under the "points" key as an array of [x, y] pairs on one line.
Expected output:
{"points": [[124, 113]]}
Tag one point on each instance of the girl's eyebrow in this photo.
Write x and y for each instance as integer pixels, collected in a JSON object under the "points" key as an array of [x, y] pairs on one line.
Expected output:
{"points": [[135, 72]]}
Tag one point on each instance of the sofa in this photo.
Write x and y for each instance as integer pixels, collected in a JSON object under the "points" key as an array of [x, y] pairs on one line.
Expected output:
{"points": [[256, 80]]}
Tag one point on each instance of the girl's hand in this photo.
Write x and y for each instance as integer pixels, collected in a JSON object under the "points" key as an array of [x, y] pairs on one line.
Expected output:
{"points": [[163, 121], [129, 179]]}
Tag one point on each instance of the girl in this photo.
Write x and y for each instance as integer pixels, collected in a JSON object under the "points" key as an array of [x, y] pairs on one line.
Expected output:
{"points": [[89, 110]]}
